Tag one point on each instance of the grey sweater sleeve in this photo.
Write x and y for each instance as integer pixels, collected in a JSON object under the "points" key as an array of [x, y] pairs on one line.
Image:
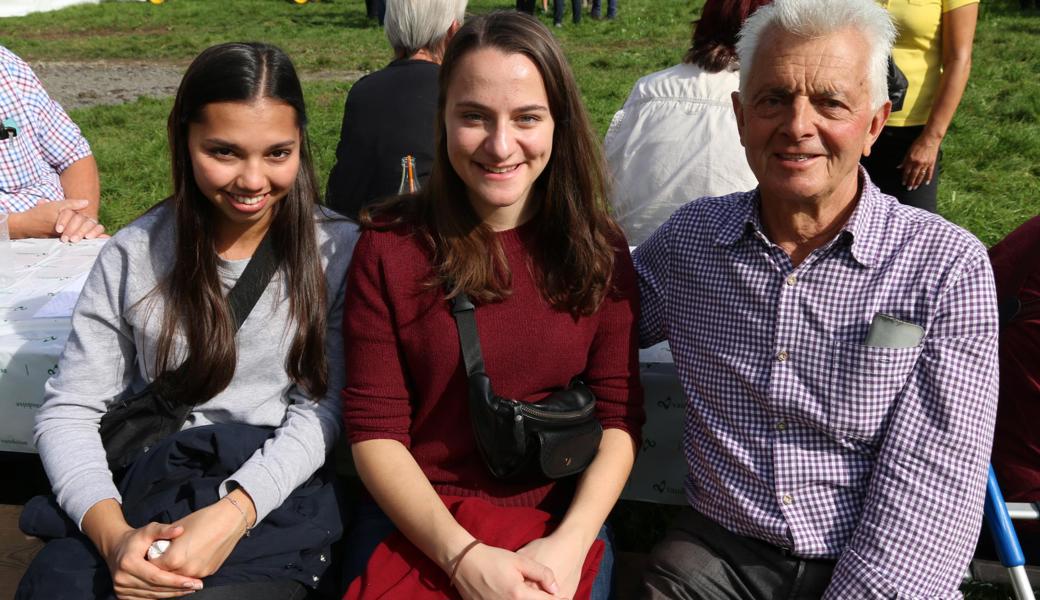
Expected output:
{"points": [[95, 367]]}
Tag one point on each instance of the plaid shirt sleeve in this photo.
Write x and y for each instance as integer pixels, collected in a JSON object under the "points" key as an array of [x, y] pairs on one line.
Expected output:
{"points": [[651, 262], [58, 137], [923, 509]]}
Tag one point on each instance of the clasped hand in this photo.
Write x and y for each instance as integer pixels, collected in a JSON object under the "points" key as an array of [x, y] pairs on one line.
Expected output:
{"points": [[199, 545], [59, 218], [547, 568]]}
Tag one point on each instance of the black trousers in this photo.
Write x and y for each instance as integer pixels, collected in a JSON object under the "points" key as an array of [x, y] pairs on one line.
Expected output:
{"points": [[700, 559], [882, 166], [525, 6]]}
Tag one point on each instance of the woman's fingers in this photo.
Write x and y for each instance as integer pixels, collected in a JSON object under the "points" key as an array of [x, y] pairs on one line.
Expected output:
{"points": [[537, 572]]}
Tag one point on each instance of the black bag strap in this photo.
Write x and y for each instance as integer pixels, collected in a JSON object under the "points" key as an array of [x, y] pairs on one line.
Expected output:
{"points": [[243, 295], [464, 311], [253, 281]]}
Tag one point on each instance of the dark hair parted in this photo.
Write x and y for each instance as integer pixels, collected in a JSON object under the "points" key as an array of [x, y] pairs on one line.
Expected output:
{"points": [[714, 44], [573, 252], [194, 302]]}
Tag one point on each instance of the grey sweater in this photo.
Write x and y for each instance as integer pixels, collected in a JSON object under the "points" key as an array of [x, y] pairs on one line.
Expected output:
{"points": [[115, 328]]}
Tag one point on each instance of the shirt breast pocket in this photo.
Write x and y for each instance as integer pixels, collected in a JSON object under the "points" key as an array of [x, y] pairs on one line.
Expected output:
{"points": [[865, 382], [19, 166]]}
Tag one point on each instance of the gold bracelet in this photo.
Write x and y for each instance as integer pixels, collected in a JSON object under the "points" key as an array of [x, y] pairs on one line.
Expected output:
{"points": [[245, 518], [458, 560]]}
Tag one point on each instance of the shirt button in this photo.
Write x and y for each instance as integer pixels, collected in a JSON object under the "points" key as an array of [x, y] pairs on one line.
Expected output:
{"points": [[782, 355], [780, 426], [791, 279], [322, 558], [315, 578], [787, 500]]}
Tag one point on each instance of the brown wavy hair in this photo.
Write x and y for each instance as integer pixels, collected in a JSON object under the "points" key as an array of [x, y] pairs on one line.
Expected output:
{"points": [[574, 236], [193, 301], [714, 44]]}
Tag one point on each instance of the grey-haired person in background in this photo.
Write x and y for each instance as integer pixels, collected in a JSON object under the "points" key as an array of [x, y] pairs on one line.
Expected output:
{"points": [[390, 114]]}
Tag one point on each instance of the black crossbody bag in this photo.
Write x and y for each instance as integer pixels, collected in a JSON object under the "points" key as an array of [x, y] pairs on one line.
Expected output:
{"points": [[136, 422], [556, 437]]}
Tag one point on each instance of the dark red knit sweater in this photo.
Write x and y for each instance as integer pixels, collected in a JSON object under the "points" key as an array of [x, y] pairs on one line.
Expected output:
{"points": [[405, 376]]}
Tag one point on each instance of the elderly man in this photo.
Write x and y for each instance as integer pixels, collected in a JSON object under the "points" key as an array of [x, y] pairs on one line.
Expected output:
{"points": [[390, 113], [48, 178], [838, 349]]}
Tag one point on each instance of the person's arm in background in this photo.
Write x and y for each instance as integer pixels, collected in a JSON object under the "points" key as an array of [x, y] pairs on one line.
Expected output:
{"points": [[74, 218], [61, 145], [958, 35]]}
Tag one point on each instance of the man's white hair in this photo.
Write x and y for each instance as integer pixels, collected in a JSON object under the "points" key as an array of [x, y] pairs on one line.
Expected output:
{"points": [[816, 18], [413, 25]]}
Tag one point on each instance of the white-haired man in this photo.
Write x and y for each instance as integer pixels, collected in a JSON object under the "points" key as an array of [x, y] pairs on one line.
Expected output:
{"points": [[390, 114], [838, 350]]}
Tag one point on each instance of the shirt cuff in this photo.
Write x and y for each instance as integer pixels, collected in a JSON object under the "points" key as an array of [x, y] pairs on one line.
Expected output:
{"points": [[262, 488], [79, 504], [81, 151]]}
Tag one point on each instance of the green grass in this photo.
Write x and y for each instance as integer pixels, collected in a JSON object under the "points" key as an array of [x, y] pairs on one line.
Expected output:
{"points": [[992, 153], [991, 181]]}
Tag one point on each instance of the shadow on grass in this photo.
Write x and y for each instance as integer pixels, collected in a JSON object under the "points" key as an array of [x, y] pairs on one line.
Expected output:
{"points": [[349, 19]]}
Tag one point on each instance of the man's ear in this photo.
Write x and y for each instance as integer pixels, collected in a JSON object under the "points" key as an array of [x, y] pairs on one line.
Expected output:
{"points": [[738, 110], [877, 123], [452, 30]]}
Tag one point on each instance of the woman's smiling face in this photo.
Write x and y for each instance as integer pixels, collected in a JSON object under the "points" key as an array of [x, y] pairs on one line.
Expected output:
{"points": [[245, 157], [499, 133]]}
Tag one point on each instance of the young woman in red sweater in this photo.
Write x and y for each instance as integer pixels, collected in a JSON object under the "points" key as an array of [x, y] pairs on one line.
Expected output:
{"points": [[514, 216]]}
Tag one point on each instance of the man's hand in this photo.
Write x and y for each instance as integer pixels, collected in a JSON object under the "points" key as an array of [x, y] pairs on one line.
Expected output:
{"points": [[59, 218]]}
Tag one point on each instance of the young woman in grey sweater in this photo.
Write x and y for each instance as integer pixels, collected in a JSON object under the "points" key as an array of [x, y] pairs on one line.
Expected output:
{"points": [[156, 299]]}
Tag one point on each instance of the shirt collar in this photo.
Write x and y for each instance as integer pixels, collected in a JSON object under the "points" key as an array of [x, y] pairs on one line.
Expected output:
{"points": [[860, 232]]}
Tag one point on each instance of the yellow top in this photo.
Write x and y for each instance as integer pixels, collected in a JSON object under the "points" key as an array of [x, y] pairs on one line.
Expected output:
{"points": [[918, 53]]}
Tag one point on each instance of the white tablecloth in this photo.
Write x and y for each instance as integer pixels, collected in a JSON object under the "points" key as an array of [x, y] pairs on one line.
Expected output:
{"points": [[29, 345]]}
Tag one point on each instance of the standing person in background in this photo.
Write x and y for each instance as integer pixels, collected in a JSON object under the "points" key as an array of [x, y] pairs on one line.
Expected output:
{"points": [[376, 9], [933, 50], [48, 178], [611, 9], [676, 139], [558, 8], [517, 184], [389, 114], [525, 6], [237, 490]]}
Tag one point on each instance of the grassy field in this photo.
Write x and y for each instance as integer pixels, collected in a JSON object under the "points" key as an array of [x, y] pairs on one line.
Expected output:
{"points": [[989, 186], [992, 154]]}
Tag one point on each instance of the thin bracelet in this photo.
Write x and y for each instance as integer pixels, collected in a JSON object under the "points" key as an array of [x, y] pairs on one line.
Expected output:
{"points": [[241, 510], [458, 560]]}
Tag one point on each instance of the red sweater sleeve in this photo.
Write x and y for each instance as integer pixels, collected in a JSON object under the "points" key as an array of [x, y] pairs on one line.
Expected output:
{"points": [[613, 367], [375, 399]]}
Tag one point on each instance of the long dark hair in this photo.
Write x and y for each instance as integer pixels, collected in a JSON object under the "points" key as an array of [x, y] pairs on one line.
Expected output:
{"points": [[573, 250], [194, 303], [714, 44]]}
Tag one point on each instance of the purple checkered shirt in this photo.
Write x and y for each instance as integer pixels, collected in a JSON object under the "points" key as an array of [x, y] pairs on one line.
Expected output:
{"points": [[796, 432], [47, 141]]}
